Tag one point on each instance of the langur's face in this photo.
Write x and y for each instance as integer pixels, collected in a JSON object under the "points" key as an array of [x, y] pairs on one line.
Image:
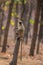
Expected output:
{"points": [[20, 23]]}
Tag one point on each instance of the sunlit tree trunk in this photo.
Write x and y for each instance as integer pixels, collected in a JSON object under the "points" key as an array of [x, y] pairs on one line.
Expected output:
{"points": [[1, 22]]}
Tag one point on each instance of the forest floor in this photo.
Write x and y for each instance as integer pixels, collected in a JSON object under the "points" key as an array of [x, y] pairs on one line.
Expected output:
{"points": [[5, 58]]}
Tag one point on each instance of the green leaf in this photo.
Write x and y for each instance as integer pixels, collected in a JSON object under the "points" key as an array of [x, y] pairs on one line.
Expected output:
{"points": [[25, 1], [7, 3], [32, 21]]}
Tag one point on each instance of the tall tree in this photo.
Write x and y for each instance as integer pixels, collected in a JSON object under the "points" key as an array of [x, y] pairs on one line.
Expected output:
{"points": [[17, 45], [1, 21], [29, 12], [15, 54], [33, 42], [25, 15], [16, 18], [41, 27], [7, 27]]}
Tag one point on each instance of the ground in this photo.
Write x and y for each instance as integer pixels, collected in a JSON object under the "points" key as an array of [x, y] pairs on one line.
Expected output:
{"points": [[5, 58]]}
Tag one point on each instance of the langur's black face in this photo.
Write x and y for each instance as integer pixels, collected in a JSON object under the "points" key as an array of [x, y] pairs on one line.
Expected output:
{"points": [[20, 23]]}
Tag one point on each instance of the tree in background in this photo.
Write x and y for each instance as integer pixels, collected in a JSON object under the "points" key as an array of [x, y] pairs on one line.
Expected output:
{"points": [[40, 37], [28, 17], [33, 42], [1, 19], [7, 27]]}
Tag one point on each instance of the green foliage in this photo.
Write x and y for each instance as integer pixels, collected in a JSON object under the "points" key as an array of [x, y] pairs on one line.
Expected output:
{"points": [[20, 1], [25, 1], [32, 21], [7, 3], [3, 28], [12, 22], [17, 0]]}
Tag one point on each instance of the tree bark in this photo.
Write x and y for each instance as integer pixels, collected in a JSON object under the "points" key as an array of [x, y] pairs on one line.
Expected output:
{"points": [[7, 27], [33, 43], [41, 29], [1, 22], [16, 50]]}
